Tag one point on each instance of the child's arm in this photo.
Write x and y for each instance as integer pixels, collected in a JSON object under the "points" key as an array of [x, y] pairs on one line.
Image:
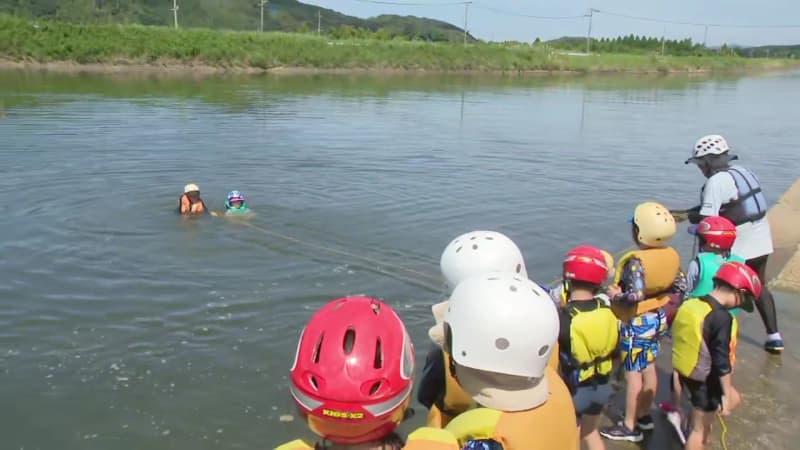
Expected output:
{"points": [[717, 333], [631, 282], [692, 276]]}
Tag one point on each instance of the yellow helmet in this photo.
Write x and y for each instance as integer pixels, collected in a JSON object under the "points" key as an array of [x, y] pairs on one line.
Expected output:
{"points": [[656, 225]]}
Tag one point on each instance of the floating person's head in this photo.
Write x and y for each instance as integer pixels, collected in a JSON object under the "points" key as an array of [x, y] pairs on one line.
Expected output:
{"points": [[235, 200], [711, 154], [191, 190], [352, 375], [652, 225]]}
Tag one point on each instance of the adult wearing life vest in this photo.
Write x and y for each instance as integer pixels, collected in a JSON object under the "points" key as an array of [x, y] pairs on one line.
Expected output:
{"points": [[500, 330], [646, 280], [704, 346], [470, 254], [734, 192], [352, 377], [190, 202], [588, 339]]}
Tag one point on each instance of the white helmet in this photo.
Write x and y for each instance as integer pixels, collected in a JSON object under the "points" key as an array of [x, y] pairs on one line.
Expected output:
{"points": [[502, 323], [713, 144], [480, 252]]}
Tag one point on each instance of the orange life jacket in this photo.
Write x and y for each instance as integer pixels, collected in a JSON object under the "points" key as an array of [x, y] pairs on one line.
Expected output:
{"points": [[660, 266], [187, 207]]}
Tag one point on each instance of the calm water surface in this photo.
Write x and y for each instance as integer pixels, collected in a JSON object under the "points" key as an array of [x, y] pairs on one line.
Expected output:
{"points": [[123, 326]]}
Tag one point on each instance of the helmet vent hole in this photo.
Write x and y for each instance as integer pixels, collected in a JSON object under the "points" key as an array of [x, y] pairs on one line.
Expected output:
{"points": [[489, 238], [518, 269], [313, 380], [538, 294], [374, 388], [317, 349], [473, 238], [512, 288], [501, 343], [376, 308], [349, 341], [463, 353], [474, 246], [378, 363], [543, 350], [459, 249]]}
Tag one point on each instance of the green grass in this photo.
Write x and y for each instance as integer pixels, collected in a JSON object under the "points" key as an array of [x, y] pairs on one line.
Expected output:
{"points": [[45, 41]]}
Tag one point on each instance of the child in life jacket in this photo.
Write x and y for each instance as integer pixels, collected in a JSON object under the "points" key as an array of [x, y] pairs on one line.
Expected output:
{"points": [[351, 379], [470, 254], [500, 330], [588, 340], [646, 280], [190, 202], [235, 204], [704, 346], [559, 295], [715, 236]]}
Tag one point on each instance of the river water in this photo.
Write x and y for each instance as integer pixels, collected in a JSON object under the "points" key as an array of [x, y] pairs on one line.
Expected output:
{"points": [[124, 326]]}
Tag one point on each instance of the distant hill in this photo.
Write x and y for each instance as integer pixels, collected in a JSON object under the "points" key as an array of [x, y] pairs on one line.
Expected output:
{"points": [[279, 15], [773, 51]]}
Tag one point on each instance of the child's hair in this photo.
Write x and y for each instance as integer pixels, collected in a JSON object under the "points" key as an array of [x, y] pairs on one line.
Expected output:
{"points": [[576, 284]]}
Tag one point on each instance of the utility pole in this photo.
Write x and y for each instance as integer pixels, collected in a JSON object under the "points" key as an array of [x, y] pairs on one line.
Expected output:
{"points": [[175, 12], [589, 33], [466, 14], [319, 22], [263, 2], [705, 36], [663, 41]]}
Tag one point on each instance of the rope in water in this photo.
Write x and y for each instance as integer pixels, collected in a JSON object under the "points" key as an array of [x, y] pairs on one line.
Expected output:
{"points": [[428, 281]]}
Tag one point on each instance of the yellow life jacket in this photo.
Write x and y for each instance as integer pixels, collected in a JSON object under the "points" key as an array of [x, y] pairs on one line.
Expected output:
{"points": [[548, 426], [660, 266], [456, 401], [431, 439], [690, 354], [594, 336], [296, 444]]}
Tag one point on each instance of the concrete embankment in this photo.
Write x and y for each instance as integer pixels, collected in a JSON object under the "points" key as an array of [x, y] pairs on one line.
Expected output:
{"points": [[783, 270]]}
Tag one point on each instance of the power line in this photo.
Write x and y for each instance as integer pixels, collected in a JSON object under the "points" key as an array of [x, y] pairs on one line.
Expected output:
{"points": [[381, 2], [528, 16], [698, 24]]}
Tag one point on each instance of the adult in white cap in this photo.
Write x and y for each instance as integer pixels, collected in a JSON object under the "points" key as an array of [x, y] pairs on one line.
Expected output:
{"points": [[734, 192], [190, 202]]}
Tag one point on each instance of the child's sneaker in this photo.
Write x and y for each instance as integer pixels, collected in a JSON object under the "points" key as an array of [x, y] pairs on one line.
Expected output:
{"points": [[620, 432], [645, 423]]}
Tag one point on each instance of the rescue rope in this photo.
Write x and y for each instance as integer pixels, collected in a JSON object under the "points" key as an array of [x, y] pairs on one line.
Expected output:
{"points": [[428, 281], [724, 436]]}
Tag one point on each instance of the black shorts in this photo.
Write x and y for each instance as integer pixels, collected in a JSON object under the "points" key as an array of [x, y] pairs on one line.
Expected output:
{"points": [[705, 395]]}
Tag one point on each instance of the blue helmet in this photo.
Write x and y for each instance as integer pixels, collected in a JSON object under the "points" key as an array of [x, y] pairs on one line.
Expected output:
{"points": [[235, 196]]}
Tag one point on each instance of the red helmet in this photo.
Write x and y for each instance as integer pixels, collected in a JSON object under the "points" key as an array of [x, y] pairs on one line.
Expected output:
{"points": [[717, 232], [585, 263], [351, 378], [741, 277]]}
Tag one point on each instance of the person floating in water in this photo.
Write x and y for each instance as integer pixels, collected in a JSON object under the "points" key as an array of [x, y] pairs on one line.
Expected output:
{"points": [[235, 204], [190, 203]]}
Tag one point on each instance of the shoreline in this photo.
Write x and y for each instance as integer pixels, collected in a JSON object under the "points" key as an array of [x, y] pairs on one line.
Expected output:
{"points": [[181, 68], [783, 269]]}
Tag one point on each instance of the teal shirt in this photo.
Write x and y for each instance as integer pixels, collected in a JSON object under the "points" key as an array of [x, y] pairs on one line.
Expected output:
{"points": [[231, 211], [707, 265]]}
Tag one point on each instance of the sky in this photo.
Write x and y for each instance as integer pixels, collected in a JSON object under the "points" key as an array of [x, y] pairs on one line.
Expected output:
{"points": [[485, 20]]}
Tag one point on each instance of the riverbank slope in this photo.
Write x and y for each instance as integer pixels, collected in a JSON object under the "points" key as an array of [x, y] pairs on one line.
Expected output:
{"points": [[117, 48]]}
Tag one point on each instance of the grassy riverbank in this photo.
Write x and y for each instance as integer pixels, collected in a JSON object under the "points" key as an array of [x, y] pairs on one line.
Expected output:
{"points": [[127, 45]]}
